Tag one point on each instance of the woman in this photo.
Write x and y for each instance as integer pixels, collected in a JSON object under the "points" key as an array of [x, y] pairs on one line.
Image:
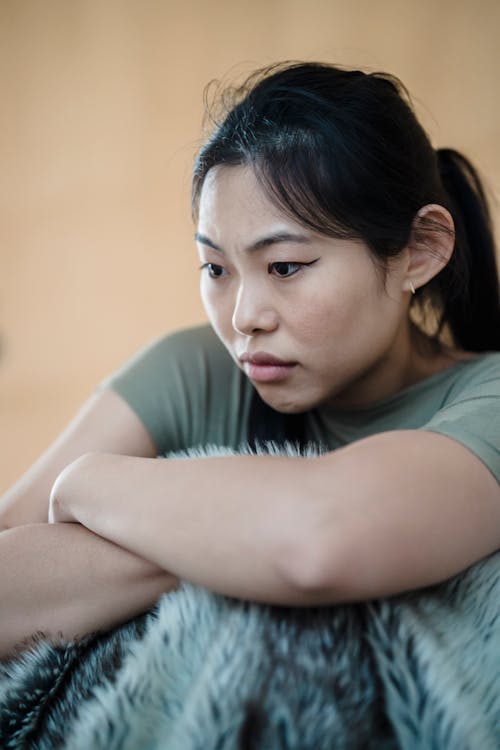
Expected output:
{"points": [[323, 215]]}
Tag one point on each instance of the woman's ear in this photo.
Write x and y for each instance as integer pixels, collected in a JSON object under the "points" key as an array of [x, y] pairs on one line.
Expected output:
{"points": [[431, 245]]}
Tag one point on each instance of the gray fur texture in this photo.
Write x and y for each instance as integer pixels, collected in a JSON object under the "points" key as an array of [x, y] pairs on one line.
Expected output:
{"points": [[201, 671]]}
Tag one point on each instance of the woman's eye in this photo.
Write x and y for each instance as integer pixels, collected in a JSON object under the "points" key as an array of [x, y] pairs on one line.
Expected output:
{"points": [[214, 271], [284, 269]]}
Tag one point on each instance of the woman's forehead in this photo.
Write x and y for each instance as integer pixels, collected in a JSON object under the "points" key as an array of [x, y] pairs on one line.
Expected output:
{"points": [[233, 196]]}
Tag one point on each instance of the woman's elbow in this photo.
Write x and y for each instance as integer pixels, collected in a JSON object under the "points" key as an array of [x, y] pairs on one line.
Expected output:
{"points": [[313, 569]]}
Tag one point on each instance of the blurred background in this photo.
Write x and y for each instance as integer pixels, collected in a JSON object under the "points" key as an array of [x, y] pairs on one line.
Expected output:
{"points": [[101, 109]]}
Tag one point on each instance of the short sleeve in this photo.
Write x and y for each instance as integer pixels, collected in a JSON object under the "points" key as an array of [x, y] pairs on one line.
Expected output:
{"points": [[471, 413], [186, 390]]}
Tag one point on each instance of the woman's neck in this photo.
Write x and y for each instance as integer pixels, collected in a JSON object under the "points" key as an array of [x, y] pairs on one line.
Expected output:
{"points": [[414, 357]]}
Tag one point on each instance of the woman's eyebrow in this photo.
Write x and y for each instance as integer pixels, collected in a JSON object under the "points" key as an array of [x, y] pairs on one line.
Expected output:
{"points": [[206, 241], [263, 242]]}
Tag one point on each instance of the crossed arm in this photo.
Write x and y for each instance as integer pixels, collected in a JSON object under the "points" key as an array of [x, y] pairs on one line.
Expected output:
{"points": [[393, 512]]}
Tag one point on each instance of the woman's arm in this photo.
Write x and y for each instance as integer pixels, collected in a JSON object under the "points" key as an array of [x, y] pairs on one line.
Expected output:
{"points": [[105, 423], [64, 580], [393, 512]]}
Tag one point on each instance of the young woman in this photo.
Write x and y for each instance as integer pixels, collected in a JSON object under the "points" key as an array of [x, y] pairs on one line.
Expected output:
{"points": [[323, 217]]}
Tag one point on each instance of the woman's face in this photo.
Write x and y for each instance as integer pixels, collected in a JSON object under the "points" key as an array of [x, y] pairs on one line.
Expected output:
{"points": [[305, 316]]}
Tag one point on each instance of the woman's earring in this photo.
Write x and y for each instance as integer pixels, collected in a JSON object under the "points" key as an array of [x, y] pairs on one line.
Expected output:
{"points": [[412, 287]]}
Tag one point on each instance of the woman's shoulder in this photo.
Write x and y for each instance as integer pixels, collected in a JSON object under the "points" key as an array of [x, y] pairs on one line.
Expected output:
{"points": [[469, 411], [180, 362], [189, 339], [185, 388], [197, 349], [184, 349], [477, 370]]}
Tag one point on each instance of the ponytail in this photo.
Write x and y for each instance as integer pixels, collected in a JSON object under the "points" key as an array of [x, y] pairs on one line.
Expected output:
{"points": [[469, 287]]}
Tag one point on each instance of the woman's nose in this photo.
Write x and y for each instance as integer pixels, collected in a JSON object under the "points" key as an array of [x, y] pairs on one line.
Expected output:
{"points": [[253, 312]]}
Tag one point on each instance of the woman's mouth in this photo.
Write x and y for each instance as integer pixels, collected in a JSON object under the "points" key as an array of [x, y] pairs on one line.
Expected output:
{"points": [[265, 368]]}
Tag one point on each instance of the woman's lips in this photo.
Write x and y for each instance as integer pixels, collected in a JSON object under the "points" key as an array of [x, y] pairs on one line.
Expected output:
{"points": [[264, 368], [267, 373]]}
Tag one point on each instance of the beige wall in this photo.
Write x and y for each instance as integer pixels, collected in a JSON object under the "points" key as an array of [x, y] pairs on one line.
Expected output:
{"points": [[100, 111]]}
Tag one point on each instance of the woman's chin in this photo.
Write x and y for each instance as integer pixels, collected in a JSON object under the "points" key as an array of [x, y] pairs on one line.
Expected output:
{"points": [[286, 403]]}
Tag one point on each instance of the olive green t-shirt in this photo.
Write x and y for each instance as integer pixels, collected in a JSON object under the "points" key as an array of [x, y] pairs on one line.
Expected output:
{"points": [[188, 392]]}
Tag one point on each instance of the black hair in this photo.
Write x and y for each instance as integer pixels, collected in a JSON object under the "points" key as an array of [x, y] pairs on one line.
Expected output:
{"points": [[342, 152]]}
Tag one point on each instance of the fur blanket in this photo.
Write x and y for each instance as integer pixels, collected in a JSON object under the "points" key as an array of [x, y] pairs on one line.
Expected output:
{"points": [[420, 671]]}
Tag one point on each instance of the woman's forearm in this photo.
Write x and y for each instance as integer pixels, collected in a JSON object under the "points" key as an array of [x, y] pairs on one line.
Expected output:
{"points": [[360, 522], [233, 525], [61, 579]]}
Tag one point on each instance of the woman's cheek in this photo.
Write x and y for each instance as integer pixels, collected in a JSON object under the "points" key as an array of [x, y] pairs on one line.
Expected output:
{"points": [[336, 317], [208, 299], [217, 306]]}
